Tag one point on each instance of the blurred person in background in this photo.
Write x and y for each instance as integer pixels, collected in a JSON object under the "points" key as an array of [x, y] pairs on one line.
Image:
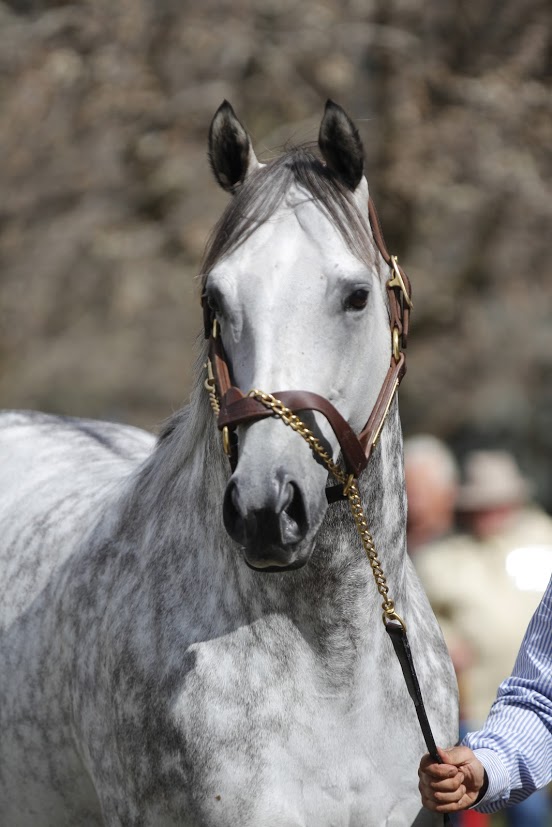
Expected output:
{"points": [[432, 478], [484, 586], [431, 475], [432, 481]]}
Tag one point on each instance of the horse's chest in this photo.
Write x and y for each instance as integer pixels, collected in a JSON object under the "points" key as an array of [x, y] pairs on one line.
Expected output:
{"points": [[273, 737]]}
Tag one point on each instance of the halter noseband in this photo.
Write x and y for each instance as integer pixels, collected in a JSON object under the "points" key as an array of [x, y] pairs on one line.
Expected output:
{"points": [[233, 408]]}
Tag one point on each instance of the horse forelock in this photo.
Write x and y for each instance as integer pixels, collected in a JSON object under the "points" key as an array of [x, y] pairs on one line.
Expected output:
{"points": [[256, 200]]}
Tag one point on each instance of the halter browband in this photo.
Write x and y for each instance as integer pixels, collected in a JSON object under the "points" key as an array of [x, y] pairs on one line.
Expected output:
{"points": [[233, 408]]}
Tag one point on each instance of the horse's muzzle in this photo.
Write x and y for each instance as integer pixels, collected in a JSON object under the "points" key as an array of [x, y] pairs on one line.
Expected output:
{"points": [[271, 535]]}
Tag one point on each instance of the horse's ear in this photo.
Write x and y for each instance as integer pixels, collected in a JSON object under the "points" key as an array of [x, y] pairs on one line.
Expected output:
{"points": [[230, 152], [341, 146]]}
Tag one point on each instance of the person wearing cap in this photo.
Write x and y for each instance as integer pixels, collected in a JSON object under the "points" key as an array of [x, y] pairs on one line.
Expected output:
{"points": [[485, 584]]}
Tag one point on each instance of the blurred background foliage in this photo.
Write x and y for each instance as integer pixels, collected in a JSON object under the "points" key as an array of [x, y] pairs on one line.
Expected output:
{"points": [[107, 198]]}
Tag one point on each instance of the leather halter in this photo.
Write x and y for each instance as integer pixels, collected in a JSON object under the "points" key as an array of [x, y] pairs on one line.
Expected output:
{"points": [[237, 409]]}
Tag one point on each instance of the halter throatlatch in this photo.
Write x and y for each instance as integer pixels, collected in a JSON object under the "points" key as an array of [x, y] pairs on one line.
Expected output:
{"points": [[233, 408]]}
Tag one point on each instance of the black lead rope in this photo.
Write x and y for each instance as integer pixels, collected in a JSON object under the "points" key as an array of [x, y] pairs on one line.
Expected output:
{"points": [[399, 639]]}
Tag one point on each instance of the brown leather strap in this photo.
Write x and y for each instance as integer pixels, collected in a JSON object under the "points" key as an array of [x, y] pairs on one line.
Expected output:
{"points": [[235, 409], [399, 309], [369, 435], [377, 231], [219, 362]]}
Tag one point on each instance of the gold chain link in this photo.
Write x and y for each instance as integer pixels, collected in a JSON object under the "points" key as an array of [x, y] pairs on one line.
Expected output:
{"points": [[350, 490], [211, 388]]}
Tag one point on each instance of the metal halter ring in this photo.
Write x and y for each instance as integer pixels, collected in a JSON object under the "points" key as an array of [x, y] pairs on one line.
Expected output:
{"points": [[226, 444], [396, 344], [398, 281], [390, 615]]}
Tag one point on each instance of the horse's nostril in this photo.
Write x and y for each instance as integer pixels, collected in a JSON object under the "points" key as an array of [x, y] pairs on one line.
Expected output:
{"points": [[295, 507], [293, 515]]}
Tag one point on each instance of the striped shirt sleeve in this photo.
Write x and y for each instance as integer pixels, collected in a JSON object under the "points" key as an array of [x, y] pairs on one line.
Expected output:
{"points": [[515, 744]]}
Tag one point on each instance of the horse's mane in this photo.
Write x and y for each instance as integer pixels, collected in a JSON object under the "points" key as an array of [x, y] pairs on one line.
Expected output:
{"points": [[255, 201]]}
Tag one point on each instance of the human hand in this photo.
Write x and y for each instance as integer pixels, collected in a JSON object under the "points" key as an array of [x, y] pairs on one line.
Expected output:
{"points": [[453, 785]]}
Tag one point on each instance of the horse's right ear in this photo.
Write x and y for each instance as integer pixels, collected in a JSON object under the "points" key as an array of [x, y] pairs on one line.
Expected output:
{"points": [[230, 152], [341, 146]]}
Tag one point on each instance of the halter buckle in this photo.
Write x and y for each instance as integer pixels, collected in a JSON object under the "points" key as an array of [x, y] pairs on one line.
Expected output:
{"points": [[398, 281]]}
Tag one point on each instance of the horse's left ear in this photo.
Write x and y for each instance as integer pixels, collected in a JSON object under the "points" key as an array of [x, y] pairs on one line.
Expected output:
{"points": [[341, 146], [230, 151]]}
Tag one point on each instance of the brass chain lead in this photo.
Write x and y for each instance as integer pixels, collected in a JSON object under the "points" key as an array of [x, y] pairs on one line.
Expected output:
{"points": [[350, 490]]}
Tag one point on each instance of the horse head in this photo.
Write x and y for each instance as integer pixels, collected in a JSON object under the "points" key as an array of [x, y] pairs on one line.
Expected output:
{"points": [[298, 289]]}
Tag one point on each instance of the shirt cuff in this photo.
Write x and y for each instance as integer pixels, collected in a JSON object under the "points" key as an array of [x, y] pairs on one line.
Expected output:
{"points": [[499, 780]]}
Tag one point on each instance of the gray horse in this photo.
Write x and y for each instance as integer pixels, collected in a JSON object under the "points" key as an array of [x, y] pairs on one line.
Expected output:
{"points": [[182, 644]]}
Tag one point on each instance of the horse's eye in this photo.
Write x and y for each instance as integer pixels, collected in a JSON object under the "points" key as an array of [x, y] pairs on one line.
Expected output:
{"points": [[357, 300], [213, 300]]}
